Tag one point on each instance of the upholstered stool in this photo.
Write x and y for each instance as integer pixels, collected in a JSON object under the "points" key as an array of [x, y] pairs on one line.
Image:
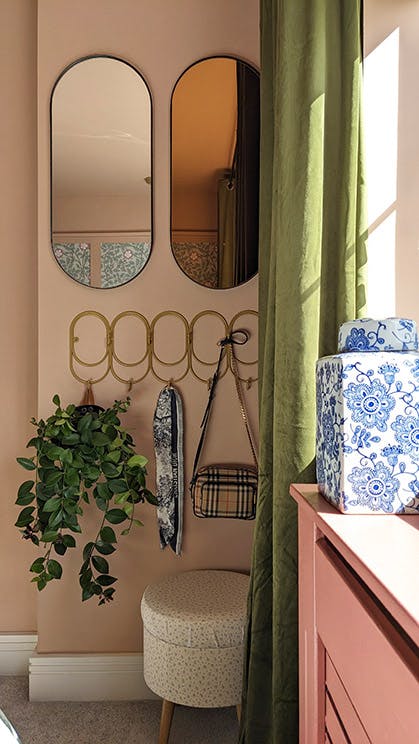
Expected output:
{"points": [[193, 640]]}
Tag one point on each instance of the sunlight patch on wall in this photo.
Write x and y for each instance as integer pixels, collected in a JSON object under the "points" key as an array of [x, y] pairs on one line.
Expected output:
{"points": [[381, 95], [382, 269]]}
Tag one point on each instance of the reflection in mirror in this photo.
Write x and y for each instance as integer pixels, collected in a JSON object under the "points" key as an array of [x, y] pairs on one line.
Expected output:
{"points": [[215, 172], [101, 204]]}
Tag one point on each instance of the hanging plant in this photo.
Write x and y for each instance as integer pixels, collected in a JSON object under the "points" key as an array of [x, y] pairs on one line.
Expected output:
{"points": [[83, 456]]}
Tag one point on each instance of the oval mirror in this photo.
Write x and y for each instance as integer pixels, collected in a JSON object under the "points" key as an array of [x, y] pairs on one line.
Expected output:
{"points": [[215, 172], [101, 202]]}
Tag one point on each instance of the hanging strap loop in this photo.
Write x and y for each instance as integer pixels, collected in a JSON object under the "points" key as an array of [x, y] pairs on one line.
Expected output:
{"points": [[226, 344]]}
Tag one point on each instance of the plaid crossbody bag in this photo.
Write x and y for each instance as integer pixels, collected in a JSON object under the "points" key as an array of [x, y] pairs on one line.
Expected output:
{"points": [[225, 490]]}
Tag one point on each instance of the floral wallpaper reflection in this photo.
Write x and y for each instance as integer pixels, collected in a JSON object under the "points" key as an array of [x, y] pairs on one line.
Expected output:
{"points": [[74, 258], [120, 262], [199, 261], [102, 265]]}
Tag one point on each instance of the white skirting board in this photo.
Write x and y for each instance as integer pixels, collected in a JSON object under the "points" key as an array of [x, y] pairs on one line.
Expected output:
{"points": [[87, 677], [15, 651]]}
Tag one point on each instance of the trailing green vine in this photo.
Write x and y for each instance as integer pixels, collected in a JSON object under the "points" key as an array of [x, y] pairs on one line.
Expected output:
{"points": [[81, 458]]}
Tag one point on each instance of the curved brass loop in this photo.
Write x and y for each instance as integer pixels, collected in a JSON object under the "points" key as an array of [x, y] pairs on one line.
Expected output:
{"points": [[169, 382], [232, 330], [192, 326], [93, 380], [74, 357], [168, 313], [131, 380], [131, 314]]}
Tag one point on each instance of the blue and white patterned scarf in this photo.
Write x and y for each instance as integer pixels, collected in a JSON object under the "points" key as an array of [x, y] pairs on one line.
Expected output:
{"points": [[168, 446]]}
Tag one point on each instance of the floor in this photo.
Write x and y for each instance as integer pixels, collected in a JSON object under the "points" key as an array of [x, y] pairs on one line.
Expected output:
{"points": [[110, 723]]}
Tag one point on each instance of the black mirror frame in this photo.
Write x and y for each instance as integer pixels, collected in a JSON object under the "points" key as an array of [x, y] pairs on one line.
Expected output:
{"points": [[60, 76], [202, 59]]}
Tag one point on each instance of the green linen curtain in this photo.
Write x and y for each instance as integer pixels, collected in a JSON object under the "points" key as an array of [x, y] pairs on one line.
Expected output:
{"points": [[312, 260]]}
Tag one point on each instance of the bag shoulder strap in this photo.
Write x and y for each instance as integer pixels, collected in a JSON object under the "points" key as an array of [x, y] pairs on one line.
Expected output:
{"points": [[225, 343]]}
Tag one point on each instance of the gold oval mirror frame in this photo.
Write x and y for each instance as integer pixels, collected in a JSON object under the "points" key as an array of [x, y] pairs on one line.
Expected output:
{"points": [[215, 132], [101, 166]]}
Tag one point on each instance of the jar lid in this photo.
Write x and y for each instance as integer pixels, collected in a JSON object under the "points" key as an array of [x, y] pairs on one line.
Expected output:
{"points": [[367, 334]]}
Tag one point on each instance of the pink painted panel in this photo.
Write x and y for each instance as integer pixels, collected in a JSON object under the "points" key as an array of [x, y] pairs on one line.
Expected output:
{"points": [[346, 711], [311, 650], [333, 727], [377, 668]]}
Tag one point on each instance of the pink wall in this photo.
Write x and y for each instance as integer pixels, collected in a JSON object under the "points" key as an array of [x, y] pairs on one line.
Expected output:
{"points": [[18, 327], [161, 39], [392, 59]]}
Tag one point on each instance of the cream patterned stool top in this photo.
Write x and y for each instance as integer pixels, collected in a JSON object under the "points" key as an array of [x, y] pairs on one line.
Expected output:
{"points": [[197, 609]]}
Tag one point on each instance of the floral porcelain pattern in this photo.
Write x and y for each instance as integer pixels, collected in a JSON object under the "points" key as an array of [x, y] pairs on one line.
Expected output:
{"points": [[74, 258], [121, 262], [366, 334], [368, 431]]}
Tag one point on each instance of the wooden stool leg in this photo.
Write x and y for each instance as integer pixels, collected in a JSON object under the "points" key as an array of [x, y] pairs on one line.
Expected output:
{"points": [[166, 721], [239, 712]]}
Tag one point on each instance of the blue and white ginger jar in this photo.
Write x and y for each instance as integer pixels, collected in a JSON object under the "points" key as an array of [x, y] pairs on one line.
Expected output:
{"points": [[367, 439]]}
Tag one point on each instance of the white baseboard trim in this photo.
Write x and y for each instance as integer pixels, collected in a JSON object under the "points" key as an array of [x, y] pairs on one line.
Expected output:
{"points": [[15, 651], [87, 677]]}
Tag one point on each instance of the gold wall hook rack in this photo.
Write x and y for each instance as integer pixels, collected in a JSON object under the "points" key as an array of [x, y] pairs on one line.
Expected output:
{"points": [[188, 360]]}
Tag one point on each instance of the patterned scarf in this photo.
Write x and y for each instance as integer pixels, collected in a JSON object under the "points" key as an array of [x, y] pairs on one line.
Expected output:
{"points": [[168, 446]]}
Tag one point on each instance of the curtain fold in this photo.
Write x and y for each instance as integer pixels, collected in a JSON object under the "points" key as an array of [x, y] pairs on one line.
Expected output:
{"points": [[312, 262]]}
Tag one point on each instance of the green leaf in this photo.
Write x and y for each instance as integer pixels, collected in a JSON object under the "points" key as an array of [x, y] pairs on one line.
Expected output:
{"points": [[53, 452], [100, 564], [69, 541], [118, 485], [56, 400], [108, 592], [26, 463], [106, 580], [96, 589], [49, 536], [138, 522], [66, 457], [86, 593], [53, 476], [55, 519], [37, 566], [41, 584], [137, 460], [115, 516], [108, 535], [128, 509], [104, 548], [126, 532], [91, 472], [60, 548], [122, 497], [113, 456], [103, 490], [150, 497], [25, 487], [25, 517], [85, 422], [110, 470], [99, 439], [54, 569], [70, 438], [52, 504], [35, 442], [87, 550], [101, 504], [25, 499], [85, 579], [111, 433], [71, 477]]}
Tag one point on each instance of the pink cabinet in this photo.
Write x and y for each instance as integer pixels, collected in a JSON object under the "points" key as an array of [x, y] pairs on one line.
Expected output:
{"points": [[358, 625]]}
